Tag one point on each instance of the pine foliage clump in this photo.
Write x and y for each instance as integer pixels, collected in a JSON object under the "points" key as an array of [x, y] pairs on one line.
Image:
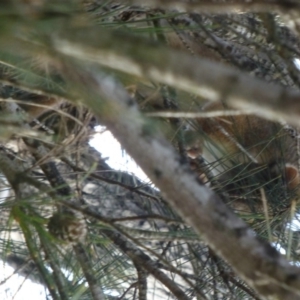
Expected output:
{"points": [[204, 95]]}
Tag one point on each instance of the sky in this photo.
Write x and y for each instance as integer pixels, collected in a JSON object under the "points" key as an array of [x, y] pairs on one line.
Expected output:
{"points": [[117, 158], [15, 287]]}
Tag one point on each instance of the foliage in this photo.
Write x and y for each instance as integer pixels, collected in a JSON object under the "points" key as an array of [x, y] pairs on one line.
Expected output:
{"points": [[85, 231]]}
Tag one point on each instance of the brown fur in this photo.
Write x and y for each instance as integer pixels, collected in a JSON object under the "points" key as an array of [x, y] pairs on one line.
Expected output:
{"points": [[247, 139]]}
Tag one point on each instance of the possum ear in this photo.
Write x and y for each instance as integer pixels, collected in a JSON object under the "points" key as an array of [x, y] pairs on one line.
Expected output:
{"points": [[291, 176]]}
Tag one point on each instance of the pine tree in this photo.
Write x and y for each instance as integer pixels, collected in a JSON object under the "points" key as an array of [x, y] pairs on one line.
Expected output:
{"points": [[148, 71]]}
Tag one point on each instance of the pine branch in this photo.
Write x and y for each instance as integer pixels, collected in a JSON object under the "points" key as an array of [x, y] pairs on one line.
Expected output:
{"points": [[202, 209]]}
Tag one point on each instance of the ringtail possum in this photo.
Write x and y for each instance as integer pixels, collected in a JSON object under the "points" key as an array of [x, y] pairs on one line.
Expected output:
{"points": [[33, 104], [247, 151], [36, 105]]}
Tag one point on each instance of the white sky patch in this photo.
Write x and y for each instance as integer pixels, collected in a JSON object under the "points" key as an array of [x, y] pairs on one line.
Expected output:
{"points": [[117, 158], [18, 287], [297, 63], [295, 224], [279, 248]]}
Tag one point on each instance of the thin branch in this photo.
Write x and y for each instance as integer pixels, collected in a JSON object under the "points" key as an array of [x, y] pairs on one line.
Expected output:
{"points": [[109, 222], [146, 217], [197, 115], [87, 269], [159, 63], [142, 282], [133, 285], [134, 189], [143, 260], [223, 7]]}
